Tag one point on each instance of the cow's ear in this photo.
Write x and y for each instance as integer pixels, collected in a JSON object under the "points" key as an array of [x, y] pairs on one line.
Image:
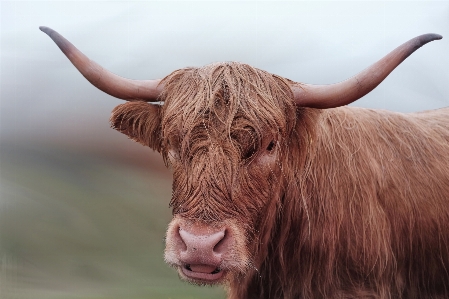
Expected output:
{"points": [[140, 121]]}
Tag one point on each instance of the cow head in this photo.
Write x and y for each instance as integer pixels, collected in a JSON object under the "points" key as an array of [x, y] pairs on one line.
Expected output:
{"points": [[223, 130], [227, 131]]}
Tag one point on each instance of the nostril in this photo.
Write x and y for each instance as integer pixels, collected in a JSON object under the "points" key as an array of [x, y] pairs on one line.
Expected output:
{"points": [[221, 246], [181, 243]]}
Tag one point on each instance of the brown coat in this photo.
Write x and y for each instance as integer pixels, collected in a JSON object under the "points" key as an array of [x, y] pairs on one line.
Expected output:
{"points": [[356, 204]]}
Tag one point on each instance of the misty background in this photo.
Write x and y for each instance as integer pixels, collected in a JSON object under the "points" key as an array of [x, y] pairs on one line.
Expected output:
{"points": [[83, 210]]}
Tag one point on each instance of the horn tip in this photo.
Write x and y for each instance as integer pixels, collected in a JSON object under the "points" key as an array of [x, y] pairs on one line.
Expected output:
{"points": [[436, 36], [46, 30], [425, 38]]}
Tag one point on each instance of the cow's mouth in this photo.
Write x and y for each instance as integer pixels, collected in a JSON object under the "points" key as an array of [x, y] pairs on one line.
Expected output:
{"points": [[202, 273]]}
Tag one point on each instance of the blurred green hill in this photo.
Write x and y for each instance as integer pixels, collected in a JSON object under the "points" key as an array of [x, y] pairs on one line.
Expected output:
{"points": [[76, 225]]}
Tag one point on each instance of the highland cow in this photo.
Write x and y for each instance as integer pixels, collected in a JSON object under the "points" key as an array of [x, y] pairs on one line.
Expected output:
{"points": [[282, 191]]}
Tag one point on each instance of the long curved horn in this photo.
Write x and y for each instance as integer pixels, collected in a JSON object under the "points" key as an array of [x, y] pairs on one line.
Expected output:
{"points": [[116, 86], [346, 92]]}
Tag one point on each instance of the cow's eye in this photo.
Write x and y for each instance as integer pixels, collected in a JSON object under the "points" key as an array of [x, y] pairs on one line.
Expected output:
{"points": [[173, 158], [271, 146], [248, 154]]}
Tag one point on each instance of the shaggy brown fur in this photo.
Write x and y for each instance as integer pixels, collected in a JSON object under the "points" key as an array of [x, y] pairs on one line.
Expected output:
{"points": [[336, 203]]}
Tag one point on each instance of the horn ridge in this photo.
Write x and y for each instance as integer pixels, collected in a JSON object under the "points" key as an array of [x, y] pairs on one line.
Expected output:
{"points": [[110, 83], [352, 89]]}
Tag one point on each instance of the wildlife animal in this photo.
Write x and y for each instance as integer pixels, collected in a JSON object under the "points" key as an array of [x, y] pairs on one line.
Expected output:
{"points": [[280, 190]]}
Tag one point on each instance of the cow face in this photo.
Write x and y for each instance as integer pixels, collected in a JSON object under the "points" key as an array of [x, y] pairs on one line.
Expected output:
{"points": [[222, 130]]}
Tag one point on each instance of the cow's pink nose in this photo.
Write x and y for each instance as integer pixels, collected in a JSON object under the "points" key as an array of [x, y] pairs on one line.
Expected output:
{"points": [[200, 248]]}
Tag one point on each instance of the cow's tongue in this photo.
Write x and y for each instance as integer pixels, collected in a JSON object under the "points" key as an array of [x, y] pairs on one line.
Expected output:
{"points": [[202, 268]]}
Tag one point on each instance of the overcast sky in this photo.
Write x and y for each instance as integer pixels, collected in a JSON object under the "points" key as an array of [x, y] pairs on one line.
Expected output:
{"points": [[42, 94]]}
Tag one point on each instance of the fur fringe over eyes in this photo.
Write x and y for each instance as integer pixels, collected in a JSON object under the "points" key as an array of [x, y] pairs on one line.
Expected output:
{"points": [[227, 103]]}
